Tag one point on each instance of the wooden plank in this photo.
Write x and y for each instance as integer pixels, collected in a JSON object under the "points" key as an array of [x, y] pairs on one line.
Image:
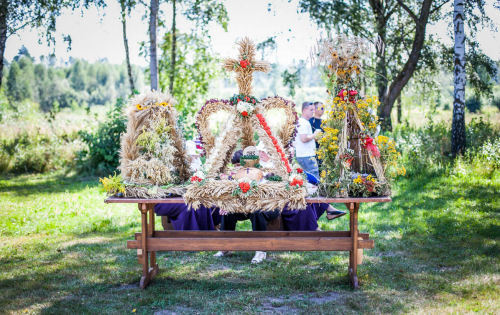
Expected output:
{"points": [[251, 244], [250, 234], [308, 200]]}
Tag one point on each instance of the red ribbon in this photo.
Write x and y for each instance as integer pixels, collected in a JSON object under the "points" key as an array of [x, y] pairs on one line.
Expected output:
{"points": [[368, 143]]}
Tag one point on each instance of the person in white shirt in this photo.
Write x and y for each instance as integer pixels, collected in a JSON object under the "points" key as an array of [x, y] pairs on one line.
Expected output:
{"points": [[305, 146]]}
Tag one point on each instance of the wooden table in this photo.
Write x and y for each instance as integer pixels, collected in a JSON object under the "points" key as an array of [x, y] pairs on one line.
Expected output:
{"points": [[149, 241]]}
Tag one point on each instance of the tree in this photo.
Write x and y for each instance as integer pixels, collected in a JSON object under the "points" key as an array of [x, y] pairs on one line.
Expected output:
{"points": [[126, 6], [403, 46], [195, 68], [16, 15], [458, 122], [153, 59], [200, 11]]}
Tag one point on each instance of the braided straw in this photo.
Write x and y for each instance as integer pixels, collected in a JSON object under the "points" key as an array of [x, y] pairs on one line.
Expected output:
{"points": [[203, 119], [244, 76], [267, 196], [138, 120]]}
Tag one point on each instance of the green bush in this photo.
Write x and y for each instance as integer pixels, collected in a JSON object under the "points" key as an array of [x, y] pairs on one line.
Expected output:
{"points": [[102, 155], [479, 132], [473, 104], [496, 102], [36, 153], [427, 149]]}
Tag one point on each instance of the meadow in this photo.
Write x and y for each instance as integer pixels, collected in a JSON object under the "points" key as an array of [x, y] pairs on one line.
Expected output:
{"points": [[62, 250], [436, 251]]}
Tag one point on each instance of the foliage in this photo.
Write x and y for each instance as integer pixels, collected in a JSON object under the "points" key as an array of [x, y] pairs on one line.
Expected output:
{"points": [[496, 102], [429, 148], [79, 84], [395, 25], [195, 68], [103, 146], [473, 104], [113, 185], [292, 78]]}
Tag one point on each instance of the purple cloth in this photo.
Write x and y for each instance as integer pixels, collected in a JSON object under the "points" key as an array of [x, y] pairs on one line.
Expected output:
{"points": [[183, 218], [303, 220]]}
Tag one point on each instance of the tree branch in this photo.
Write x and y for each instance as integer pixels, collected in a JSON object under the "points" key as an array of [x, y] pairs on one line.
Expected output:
{"points": [[438, 7], [410, 12]]}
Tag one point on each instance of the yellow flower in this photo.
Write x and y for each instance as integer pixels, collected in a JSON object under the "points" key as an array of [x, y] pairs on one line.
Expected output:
{"points": [[369, 100], [357, 180], [323, 174]]}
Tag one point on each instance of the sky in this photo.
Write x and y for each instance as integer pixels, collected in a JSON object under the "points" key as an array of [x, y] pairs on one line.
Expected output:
{"points": [[97, 33]]}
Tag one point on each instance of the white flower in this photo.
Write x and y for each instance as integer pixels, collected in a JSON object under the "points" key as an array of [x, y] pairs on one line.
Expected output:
{"points": [[244, 107], [199, 174]]}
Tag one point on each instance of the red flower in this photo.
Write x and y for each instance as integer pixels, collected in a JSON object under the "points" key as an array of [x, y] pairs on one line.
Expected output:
{"points": [[299, 170], [239, 100], [247, 98], [244, 113], [341, 94], [275, 142], [253, 101], [353, 92], [244, 187], [288, 169], [195, 179], [244, 63]]}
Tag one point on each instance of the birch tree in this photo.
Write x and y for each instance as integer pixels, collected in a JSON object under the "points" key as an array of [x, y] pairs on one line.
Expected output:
{"points": [[458, 122], [125, 10], [153, 58]]}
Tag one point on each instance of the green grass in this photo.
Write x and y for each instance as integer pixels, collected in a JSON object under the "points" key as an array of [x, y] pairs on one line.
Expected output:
{"points": [[62, 250]]}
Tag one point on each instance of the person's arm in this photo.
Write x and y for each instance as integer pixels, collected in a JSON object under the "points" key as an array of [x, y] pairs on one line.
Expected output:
{"points": [[306, 138]]}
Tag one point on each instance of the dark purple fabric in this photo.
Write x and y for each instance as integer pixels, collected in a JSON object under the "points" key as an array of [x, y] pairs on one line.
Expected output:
{"points": [[320, 208], [183, 218], [303, 220]]}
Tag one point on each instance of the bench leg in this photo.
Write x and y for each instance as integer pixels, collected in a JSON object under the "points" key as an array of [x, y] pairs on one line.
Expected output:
{"points": [[147, 258], [353, 257]]}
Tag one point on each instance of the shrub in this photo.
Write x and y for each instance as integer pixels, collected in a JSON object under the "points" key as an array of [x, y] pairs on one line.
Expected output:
{"points": [[496, 102], [103, 146], [473, 104], [36, 153], [478, 132]]}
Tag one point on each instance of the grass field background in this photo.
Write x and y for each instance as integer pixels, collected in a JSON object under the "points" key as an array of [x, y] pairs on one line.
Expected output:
{"points": [[62, 250]]}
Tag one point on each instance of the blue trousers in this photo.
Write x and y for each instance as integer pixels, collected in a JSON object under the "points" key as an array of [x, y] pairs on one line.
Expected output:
{"points": [[309, 164]]}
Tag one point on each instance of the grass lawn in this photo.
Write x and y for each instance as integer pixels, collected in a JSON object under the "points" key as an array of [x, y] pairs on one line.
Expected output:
{"points": [[62, 250]]}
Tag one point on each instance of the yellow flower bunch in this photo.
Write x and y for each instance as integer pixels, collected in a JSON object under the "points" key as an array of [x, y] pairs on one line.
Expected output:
{"points": [[358, 180], [390, 155], [162, 104]]}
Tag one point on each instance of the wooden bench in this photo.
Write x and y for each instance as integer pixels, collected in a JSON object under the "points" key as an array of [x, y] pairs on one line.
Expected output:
{"points": [[149, 241]]}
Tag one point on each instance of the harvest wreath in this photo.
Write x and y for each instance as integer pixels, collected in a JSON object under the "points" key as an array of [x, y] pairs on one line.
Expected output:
{"points": [[247, 190]]}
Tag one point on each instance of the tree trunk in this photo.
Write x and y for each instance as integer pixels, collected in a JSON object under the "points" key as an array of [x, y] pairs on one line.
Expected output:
{"points": [[174, 41], [405, 74], [153, 59], [125, 43], [399, 109], [4, 4], [458, 122], [381, 65]]}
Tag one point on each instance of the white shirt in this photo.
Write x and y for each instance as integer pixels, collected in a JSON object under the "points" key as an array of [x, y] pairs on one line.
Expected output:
{"points": [[304, 149]]}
